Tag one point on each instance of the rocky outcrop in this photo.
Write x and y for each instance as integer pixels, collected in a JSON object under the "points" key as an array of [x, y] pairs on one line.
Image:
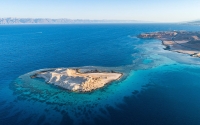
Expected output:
{"points": [[74, 80]]}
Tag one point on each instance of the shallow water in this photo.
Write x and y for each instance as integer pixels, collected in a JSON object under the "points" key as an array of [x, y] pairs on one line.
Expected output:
{"points": [[159, 86]]}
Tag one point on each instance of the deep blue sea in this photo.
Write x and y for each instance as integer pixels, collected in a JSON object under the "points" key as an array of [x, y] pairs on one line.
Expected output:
{"points": [[160, 87]]}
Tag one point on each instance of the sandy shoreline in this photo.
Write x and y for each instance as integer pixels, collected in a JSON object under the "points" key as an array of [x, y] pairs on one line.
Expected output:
{"points": [[74, 80], [178, 41]]}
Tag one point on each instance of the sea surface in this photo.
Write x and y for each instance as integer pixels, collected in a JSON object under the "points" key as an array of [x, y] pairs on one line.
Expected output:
{"points": [[159, 87]]}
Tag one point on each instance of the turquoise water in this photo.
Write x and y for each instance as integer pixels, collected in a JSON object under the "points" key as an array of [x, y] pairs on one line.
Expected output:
{"points": [[159, 86]]}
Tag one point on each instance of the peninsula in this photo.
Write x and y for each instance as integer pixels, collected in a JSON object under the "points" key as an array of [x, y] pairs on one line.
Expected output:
{"points": [[77, 79], [178, 41]]}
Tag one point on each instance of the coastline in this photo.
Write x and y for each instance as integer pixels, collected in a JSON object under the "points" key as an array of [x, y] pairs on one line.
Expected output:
{"points": [[177, 41], [75, 80]]}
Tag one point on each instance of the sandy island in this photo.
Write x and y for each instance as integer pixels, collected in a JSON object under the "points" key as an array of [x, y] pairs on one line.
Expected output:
{"points": [[178, 41], [74, 80]]}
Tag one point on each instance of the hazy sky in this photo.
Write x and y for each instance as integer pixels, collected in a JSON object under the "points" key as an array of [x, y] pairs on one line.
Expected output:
{"points": [[146, 10]]}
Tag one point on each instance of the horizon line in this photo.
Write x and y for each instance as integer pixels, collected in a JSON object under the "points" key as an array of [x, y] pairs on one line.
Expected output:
{"points": [[120, 20]]}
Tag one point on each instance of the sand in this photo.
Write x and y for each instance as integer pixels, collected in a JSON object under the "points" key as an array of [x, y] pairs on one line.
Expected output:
{"points": [[74, 80], [178, 41]]}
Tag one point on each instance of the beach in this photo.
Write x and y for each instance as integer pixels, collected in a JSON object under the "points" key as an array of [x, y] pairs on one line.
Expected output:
{"points": [[178, 41]]}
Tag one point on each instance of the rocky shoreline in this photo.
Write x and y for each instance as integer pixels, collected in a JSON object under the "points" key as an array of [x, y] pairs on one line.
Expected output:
{"points": [[177, 41], [76, 80]]}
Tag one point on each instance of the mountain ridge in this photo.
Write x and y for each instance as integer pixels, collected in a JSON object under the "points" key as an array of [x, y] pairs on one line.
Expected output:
{"points": [[11, 20], [197, 22]]}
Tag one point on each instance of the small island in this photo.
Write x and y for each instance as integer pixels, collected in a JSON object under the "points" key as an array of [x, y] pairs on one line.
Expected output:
{"points": [[178, 41], [77, 79]]}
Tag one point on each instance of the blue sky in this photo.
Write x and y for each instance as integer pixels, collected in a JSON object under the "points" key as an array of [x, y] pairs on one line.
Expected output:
{"points": [[145, 10]]}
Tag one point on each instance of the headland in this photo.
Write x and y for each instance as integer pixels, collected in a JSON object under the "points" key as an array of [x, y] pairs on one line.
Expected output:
{"points": [[77, 80], [178, 41]]}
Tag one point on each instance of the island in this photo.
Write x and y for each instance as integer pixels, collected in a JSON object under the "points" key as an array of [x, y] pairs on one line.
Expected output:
{"points": [[178, 41], [79, 80]]}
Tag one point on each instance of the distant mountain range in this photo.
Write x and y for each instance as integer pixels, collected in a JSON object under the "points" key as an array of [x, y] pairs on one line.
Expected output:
{"points": [[194, 22], [59, 21]]}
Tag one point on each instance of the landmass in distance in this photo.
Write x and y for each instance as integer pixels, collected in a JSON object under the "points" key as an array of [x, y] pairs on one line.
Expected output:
{"points": [[178, 41]]}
